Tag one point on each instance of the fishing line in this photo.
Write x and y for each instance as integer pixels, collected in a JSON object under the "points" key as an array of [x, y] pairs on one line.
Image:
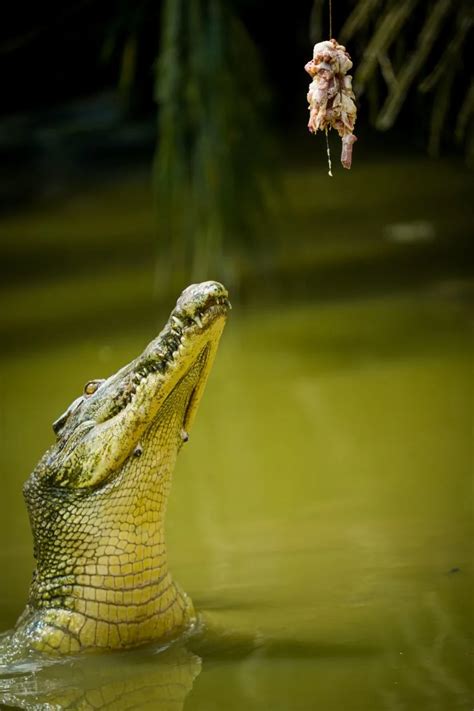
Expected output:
{"points": [[328, 151]]}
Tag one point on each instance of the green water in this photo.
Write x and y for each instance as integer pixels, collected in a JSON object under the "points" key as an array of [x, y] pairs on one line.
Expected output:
{"points": [[320, 516], [321, 513]]}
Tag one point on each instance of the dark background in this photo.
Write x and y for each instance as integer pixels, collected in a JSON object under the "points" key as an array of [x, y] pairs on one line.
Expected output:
{"points": [[55, 53], [72, 121]]}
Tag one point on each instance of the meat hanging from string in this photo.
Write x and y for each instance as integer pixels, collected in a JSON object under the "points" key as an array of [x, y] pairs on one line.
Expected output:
{"points": [[330, 96]]}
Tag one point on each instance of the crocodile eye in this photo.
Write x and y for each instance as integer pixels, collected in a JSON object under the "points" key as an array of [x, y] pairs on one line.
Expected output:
{"points": [[91, 386]]}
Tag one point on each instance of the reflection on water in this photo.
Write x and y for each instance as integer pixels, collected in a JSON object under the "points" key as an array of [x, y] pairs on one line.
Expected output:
{"points": [[320, 516], [119, 681]]}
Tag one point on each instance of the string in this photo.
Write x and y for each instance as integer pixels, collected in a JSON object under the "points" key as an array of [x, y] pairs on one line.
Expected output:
{"points": [[328, 151]]}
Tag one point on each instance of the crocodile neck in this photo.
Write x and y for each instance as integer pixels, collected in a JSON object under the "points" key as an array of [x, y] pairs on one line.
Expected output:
{"points": [[107, 582]]}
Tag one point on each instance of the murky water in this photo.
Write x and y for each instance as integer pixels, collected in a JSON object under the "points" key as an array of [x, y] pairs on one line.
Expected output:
{"points": [[320, 516]]}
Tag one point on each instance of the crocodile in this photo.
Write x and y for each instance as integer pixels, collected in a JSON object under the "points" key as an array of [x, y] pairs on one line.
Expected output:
{"points": [[97, 499]]}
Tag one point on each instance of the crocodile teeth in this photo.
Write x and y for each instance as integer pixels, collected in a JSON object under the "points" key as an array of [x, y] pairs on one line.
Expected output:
{"points": [[197, 320], [177, 321]]}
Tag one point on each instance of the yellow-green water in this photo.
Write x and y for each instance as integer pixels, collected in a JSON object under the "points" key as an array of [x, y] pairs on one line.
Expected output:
{"points": [[320, 516]]}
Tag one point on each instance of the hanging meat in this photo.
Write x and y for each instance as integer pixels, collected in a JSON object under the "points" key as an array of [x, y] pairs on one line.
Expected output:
{"points": [[330, 95]]}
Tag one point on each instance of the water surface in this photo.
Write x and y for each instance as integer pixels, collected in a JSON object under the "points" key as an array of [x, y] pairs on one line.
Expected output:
{"points": [[320, 514]]}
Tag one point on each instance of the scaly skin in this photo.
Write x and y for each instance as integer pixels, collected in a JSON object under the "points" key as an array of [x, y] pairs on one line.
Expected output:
{"points": [[97, 499]]}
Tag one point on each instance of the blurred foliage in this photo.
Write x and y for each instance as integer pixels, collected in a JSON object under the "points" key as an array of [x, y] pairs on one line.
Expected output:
{"points": [[131, 45], [212, 149], [407, 44], [212, 144]]}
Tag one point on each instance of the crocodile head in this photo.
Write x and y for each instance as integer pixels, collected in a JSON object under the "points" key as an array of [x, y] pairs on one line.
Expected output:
{"points": [[105, 426], [97, 498]]}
